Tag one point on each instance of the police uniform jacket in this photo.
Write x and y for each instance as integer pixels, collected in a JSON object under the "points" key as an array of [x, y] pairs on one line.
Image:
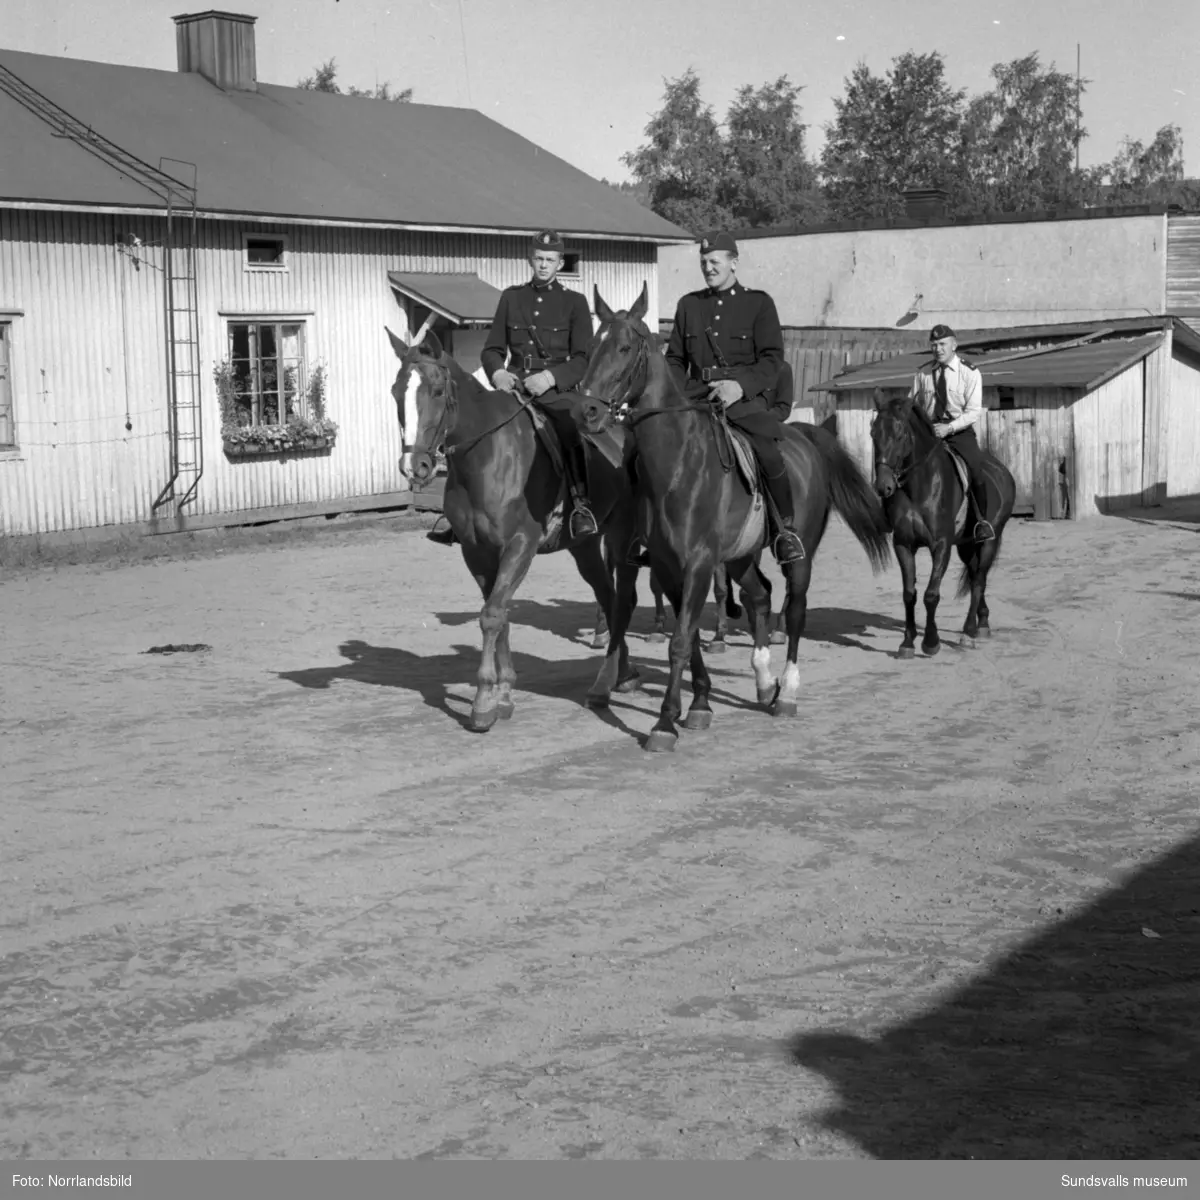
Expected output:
{"points": [[964, 393], [563, 325], [745, 329]]}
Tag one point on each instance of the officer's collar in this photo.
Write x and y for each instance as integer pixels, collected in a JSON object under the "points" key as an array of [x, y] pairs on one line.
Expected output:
{"points": [[732, 290], [951, 365], [543, 287]]}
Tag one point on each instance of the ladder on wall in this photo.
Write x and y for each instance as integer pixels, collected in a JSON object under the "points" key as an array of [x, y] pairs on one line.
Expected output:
{"points": [[181, 319], [180, 303]]}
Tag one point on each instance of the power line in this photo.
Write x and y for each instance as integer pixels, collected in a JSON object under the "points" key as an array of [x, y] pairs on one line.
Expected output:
{"points": [[462, 25]]}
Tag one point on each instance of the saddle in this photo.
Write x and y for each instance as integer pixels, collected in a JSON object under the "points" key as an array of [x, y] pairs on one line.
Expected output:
{"points": [[750, 536], [610, 444], [964, 478]]}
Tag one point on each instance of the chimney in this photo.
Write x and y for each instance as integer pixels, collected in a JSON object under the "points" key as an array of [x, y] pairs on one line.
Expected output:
{"points": [[219, 46], [925, 204]]}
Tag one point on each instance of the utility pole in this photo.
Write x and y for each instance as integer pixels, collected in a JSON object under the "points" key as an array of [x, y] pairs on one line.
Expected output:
{"points": [[1078, 113]]}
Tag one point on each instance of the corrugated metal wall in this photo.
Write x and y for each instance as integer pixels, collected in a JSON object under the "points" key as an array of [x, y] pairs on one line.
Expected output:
{"points": [[1183, 268], [78, 467], [1183, 427], [87, 358]]}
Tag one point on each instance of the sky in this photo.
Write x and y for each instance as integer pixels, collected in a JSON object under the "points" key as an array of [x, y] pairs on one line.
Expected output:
{"points": [[581, 78]]}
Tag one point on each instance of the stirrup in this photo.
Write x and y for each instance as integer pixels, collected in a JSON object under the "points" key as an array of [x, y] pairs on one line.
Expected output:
{"points": [[984, 531], [443, 537], [787, 547], [582, 523]]}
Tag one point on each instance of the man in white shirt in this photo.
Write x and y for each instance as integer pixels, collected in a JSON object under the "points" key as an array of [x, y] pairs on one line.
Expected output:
{"points": [[951, 392]]}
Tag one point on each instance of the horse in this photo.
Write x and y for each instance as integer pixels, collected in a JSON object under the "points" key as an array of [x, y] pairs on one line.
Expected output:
{"points": [[504, 499], [925, 500], [704, 514], [728, 610]]}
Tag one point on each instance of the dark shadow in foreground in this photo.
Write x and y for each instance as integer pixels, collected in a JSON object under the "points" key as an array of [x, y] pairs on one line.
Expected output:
{"points": [[1083, 1043], [432, 675]]}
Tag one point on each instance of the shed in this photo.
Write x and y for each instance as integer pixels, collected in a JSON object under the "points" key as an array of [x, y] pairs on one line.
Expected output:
{"points": [[169, 236], [1090, 418]]}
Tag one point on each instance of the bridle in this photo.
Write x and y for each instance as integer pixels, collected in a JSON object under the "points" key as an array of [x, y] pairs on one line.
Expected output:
{"points": [[899, 473], [450, 389], [637, 376]]}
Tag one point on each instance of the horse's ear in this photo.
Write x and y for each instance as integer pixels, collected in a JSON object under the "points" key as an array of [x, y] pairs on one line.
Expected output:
{"points": [[398, 344], [638, 311], [880, 399], [432, 345], [602, 310]]}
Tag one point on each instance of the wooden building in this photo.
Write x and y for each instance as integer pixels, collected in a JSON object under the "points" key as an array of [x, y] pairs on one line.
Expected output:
{"points": [[170, 238], [1090, 418]]}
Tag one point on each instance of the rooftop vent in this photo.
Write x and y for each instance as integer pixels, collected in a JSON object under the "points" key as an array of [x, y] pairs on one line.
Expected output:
{"points": [[219, 46]]}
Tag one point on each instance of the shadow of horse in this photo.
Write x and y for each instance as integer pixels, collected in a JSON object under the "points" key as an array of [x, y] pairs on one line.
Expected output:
{"points": [[568, 619], [1081, 1043], [432, 677]]}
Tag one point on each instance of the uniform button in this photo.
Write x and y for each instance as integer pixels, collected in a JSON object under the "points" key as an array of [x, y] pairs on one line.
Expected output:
{"points": [[720, 301]]}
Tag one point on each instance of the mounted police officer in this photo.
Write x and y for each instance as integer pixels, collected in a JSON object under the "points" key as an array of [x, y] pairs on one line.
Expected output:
{"points": [[538, 344], [951, 392], [728, 343]]}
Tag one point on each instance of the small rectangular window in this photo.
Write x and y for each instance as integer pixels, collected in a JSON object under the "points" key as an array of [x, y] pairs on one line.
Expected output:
{"points": [[570, 267], [266, 252], [1007, 398], [8, 431]]}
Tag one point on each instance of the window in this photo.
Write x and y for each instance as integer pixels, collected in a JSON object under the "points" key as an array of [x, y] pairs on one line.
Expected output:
{"points": [[8, 431], [269, 371], [1007, 398], [265, 253], [570, 267]]}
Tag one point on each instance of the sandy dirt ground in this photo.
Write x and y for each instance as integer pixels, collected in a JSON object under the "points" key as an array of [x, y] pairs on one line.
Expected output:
{"points": [[273, 899]]}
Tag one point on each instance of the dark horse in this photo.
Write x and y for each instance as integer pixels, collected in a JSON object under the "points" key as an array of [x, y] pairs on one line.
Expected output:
{"points": [[503, 491], [728, 610], [922, 496], [703, 514]]}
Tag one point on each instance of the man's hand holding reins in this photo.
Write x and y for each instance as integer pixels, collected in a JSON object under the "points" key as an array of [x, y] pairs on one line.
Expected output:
{"points": [[725, 392]]}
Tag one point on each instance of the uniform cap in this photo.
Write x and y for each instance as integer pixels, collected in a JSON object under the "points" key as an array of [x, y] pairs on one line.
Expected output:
{"points": [[941, 331], [548, 239], [718, 241]]}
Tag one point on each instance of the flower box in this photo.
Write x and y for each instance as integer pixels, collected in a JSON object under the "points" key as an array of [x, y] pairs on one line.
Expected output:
{"points": [[291, 445]]}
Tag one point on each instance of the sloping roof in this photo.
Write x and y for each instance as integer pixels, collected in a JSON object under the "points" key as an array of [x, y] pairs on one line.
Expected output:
{"points": [[459, 296], [1114, 346], [289, 153]]}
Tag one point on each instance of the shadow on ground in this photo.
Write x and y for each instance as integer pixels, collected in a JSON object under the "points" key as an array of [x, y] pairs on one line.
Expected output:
{"points": [[570, 619], [1083, 1043], [432, 675]]}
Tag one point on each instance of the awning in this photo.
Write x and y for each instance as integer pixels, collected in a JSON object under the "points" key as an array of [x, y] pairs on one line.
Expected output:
{"points": [[459, 297], [1073, 366]]}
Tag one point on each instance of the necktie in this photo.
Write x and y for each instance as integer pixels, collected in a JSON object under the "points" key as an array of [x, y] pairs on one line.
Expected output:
{"points": [[941, 410]]}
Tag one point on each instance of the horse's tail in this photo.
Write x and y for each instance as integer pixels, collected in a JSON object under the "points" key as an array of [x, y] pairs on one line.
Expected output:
{"points": [[853, 498]]}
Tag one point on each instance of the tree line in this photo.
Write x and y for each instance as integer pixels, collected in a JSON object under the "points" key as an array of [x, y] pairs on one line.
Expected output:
{"points": [[1014, 148]]}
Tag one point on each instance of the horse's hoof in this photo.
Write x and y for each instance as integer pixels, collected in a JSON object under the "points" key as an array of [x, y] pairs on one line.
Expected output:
{"points": [[768, 696], [785, 708], [597, 700], [967, 642], [906, 652], [931, 650], [600, 641], [481, 722], [630, 683], [716, 646], [778, 637], [656, 637], [661, 740], [985, 631], [698, 718], [505, 709]]}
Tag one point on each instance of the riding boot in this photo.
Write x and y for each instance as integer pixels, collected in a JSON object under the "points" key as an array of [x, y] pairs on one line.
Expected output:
{"points": [[785, 542], [983, 528], [583, 522], [443, 537]]}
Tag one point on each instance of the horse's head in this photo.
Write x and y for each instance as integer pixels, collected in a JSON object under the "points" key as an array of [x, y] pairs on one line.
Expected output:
{"points": [[618, 363], [893, 439], [425, 403]]}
